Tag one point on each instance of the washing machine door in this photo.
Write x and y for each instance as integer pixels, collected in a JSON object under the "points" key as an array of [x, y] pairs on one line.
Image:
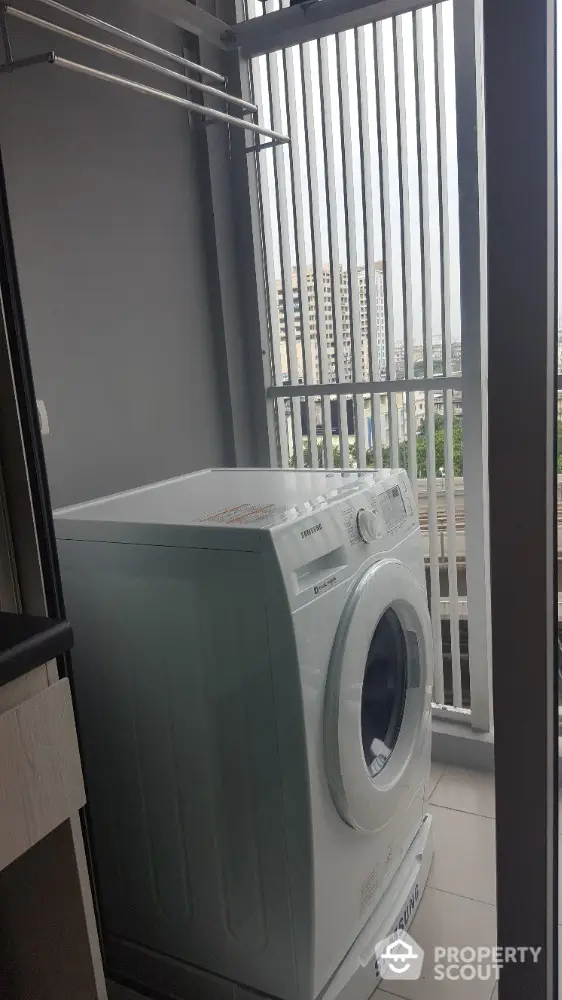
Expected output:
{"points": [[378, 695]]}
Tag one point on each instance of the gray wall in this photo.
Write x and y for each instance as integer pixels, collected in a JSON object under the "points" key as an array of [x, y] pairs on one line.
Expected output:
{"points": [[107, 194]]}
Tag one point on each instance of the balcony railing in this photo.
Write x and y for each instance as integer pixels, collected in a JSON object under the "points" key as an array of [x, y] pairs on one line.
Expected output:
{"points": [[368, 242]]}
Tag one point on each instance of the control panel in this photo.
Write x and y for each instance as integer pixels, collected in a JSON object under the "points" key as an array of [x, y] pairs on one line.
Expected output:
{"points": [[377, 512], [317, 551]]}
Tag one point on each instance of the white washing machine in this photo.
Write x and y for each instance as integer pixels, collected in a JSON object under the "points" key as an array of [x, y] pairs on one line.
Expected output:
{"points": [[253, 672]]}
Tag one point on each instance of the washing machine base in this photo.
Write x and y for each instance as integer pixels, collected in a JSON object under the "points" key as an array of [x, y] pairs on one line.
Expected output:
{"points": [[358, 975], [355, 979]]}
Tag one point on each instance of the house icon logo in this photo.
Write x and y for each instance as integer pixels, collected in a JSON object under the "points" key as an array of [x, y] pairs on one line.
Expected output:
{"points": [[399, 957]]}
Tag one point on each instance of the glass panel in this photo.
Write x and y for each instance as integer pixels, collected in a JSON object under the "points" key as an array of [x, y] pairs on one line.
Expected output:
{"points": [[384, 691]]}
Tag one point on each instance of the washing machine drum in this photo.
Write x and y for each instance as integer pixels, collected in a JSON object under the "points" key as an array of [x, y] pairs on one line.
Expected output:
{"points": [[378, 695]]}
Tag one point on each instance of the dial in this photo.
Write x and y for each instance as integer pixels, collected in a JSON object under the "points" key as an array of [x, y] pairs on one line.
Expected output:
{"points": [[367, 525]]}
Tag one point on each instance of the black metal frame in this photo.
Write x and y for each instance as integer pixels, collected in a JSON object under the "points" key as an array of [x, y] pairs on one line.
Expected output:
{"points": [[519, 60], [23, 466], [25, 473]]}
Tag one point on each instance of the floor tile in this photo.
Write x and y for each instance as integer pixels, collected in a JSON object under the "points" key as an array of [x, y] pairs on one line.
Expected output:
{"points": [[437, 770], [465, 848], [468, 791], [450, 921]]}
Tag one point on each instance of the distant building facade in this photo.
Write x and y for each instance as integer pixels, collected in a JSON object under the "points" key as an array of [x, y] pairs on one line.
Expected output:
{"points": [[325, 315]]}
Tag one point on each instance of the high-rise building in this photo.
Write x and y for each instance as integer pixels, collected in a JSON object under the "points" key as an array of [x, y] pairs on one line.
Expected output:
{"points": [[327, 314]]}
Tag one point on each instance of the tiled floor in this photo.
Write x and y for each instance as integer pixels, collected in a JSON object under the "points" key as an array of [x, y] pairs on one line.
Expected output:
{"points": [[458, 906]]}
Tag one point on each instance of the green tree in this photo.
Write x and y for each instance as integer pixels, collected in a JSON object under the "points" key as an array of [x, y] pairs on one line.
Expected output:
{"points": [[421, 449], [559, 452], [402, 456], [337, 455], [335, 451]]}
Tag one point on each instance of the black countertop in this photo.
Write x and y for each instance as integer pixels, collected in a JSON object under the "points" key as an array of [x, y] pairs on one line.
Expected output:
{"points": [[28, 641]]}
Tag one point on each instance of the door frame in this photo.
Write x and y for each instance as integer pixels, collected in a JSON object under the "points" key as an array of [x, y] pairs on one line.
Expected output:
{"points": [[520, 110]]}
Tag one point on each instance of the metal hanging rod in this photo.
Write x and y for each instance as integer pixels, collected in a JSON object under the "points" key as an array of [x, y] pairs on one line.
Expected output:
{"points": [[142, 88], [111, 50], [209, 113], [112, 29]]}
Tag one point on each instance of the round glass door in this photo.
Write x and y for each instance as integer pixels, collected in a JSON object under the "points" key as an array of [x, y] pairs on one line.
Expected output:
{"points": [[383, 695], [377, 712]]}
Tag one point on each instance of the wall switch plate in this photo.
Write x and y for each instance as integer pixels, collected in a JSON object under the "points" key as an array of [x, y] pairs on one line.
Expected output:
{"points": [[43, 418]]}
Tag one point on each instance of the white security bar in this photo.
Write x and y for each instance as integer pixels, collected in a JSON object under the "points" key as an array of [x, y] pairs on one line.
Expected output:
{"points": [[406, 235], [448, 412], [386, 230], [427, 314], [326, 61], [284, 214], [291, 67], [311, 87]]}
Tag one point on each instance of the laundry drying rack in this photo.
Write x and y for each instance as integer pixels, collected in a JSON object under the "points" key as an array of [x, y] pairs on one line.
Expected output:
{"points": [[216, 89]]}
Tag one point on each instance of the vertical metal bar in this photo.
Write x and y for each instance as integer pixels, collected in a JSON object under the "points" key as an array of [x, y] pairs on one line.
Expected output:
{"points": [[299, 212], [405, 242], [369, 238], [520, 108], [267, 297], [452, 546], [442, 186], [423, 186], [333, 239], [287, 283], [386, 228], [343, 78], [433, 536], [445, 317], [473, 271], [314, 185], [427, 318]]}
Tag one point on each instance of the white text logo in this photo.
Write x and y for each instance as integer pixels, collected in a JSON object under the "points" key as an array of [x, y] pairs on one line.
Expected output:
{"points": [[399, 957]]}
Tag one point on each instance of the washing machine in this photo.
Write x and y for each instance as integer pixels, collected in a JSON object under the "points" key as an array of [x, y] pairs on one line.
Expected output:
{"points": [[252, 675]]}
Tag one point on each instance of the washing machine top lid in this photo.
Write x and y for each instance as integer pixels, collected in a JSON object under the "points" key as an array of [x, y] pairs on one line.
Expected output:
{"points": [[238, 498]]}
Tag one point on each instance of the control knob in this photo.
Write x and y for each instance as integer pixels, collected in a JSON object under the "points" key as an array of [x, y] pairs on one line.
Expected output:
{"points": [[367, 525]]}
